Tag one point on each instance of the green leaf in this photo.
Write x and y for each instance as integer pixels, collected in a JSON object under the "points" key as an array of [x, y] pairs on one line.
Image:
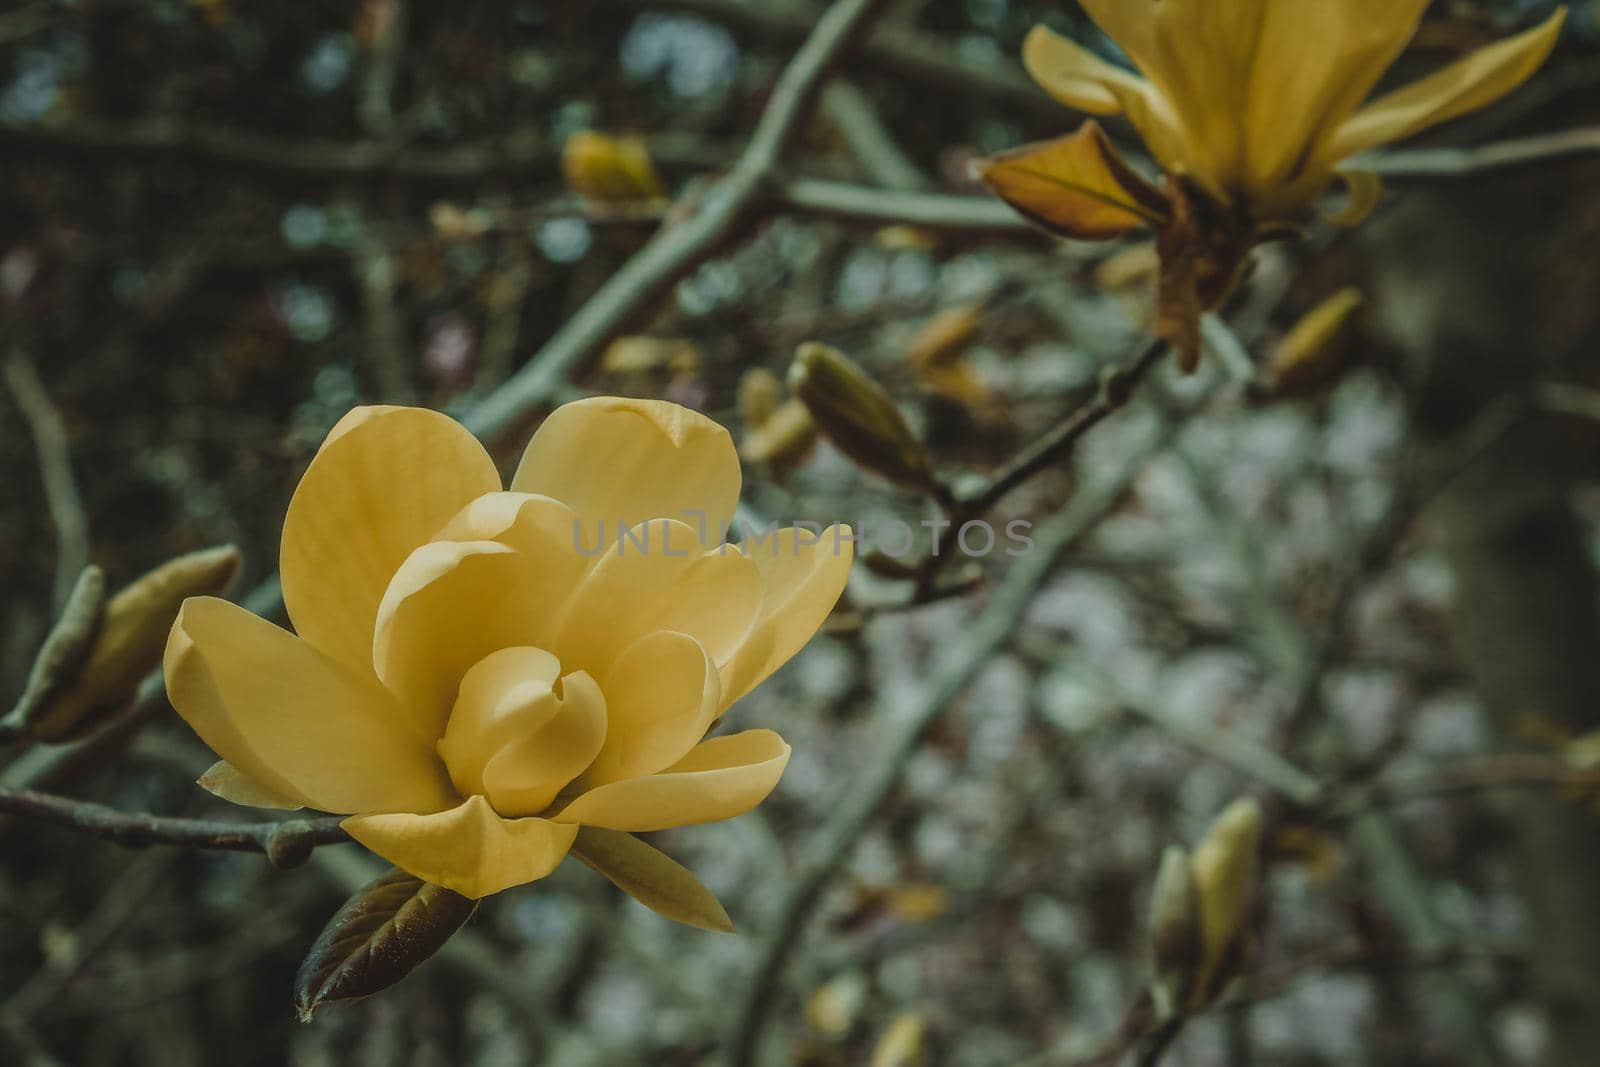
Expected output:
{"points": [[380, 935], [651, 877]]}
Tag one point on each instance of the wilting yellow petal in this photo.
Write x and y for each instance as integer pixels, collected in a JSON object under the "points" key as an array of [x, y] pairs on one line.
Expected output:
{"points": [[468, 848], [718, 779], [622, 461], [657, 577], [524, 777], [292, 719], [1076, 186], [802, 577], [384, 483], [651, 877], [1472, 82], [661, 698], [233, 785], [450, 604]]}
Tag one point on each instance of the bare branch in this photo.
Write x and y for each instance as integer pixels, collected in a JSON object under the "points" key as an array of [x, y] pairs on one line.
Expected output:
{"points": [[55, 466]]}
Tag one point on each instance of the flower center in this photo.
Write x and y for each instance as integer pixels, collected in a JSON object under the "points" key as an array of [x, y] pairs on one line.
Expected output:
{"points": [[520, 731]]}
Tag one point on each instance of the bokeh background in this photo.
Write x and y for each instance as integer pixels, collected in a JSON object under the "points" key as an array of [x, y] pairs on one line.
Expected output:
{"points": [[222, 224]]}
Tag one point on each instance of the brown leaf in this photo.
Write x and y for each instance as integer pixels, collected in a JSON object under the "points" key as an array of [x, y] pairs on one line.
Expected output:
{"points": [[381, 934], [1076, 186]]}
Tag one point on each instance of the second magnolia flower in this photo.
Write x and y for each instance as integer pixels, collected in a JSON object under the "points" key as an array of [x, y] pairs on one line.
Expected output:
{"points": [[468, 685]]}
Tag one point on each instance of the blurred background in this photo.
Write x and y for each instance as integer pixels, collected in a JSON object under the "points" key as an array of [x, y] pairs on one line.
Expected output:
{"points": [[1365, 600]]}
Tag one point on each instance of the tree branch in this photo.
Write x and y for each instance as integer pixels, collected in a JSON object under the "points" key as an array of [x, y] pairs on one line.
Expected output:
{"points": [[287, 843]]}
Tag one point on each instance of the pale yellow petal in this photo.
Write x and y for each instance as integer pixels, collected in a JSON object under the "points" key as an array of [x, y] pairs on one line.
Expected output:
{"points": [[468, 848], [662, 696], [507, 695], [383, 484], [451, 603], [619, 462], [292, 719], [718, 779], [233, 785], [657, 577], [802, 577], [524, 777], [1472, 82], [1080, 79]]}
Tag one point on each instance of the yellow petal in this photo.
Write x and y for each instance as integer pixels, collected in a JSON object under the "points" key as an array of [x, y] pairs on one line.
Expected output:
{"points": [[1311, 65], [450, 604], [1076, 76], [553, 542], [509, 694], [233, 785], [384, 483], [651, 877], [1366, 189], [1472, 82], [661, 698], [524, 777], [657, 577], [620, 461], [802, 577], [718, 779], [294, 720], [1076, 186], [468, 848]]}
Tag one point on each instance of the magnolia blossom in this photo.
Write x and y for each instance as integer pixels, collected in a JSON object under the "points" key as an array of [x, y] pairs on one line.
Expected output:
{"points": [[1252, 109], [1260, 102], [470, 680]]}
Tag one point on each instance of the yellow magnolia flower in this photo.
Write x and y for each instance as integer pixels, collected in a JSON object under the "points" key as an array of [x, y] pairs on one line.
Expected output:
{"points": [[1253, 108], [479, 673]]}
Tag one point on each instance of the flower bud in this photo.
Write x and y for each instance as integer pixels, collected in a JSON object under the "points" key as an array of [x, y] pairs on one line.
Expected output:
{"points": [[1174, 931], [856, 414], [127, 645], [1315, 347], [610, 170], [1225, 872], [784, 440], [760, 393], [64, 651], [903, 1044]]}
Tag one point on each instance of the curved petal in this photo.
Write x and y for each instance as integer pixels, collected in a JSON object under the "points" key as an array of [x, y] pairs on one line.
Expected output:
{"points": [[450, 604], [508, 694], [551, 538], [619, 462], [524, 777], [656, 577], [1472, 82], [1366, 189], [661, 698], [1075, 186], [801, 578], [468, 848], [384, 482], [233, 785], [1080, 79], [718, 779], [292, 719]]}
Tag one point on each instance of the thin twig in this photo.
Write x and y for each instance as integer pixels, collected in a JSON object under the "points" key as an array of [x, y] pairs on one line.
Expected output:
{"points": [[1428, 165], [719, 212], [837, 837], [287, 843], [61, 494]]}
